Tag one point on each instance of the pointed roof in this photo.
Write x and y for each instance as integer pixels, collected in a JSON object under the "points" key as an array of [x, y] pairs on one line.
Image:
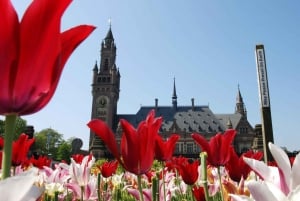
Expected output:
{"points": [[239, 98], [95, 67], [109, 35]]}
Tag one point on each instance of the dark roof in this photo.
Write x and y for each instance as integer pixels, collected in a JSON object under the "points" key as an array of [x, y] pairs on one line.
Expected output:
{"points": [[186, 118], [234, 118]]}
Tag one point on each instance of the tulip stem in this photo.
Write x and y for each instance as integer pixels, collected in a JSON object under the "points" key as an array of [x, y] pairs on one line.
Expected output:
{"points": [[220, 182], [10, 124], [139, 177], [164, 182], [203, 156], [82, 191], [99, 186]]}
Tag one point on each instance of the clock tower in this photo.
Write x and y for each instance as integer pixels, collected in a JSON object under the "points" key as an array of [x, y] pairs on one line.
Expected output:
{"points": [[105, 91]]}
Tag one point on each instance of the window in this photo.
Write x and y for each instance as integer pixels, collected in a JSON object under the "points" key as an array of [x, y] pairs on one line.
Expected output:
{"points": [[177, 149], [106, 64], [189, 148]]}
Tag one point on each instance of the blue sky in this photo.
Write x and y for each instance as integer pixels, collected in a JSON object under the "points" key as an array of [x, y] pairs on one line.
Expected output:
{"points": [[208, 46]]}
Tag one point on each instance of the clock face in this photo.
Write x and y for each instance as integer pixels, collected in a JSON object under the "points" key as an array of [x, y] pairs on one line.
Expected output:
{"points": [[102, 101]]}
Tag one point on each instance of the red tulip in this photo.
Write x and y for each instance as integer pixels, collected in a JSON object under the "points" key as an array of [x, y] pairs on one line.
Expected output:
{"points": [[236, 166], [189, 171], [33, 53], [79, 157], [109, 168], [40, 162], [198, 193], [174, 163], [137, 145], [164, 149], [20, 149], [218, 148]]}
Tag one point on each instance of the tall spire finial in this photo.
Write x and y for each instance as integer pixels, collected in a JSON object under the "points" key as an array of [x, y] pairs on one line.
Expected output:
{"points": [[174, 90], [174, 96], [109, 22], [239, 98], [109, 36]]}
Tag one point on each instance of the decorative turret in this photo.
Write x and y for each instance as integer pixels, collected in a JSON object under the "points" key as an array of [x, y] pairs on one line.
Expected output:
{"points": [[95, 73], [229, 124]]}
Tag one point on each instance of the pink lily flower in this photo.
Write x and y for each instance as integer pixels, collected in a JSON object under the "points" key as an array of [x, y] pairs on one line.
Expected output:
{"points": [[135, 193], [89, 192], [280, 183], [266, 191], [80, 173], [285, 177], [59, 175]]}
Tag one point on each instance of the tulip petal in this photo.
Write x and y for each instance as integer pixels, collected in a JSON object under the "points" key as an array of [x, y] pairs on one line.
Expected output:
{"points": [[20, 186], [265, 172], [240, 197], [130, 147], [70, 39], [40, 39], [9, 44], [104, 132], [199, 139], [295, 194], [295, 172], [147, 135], [260, 191], [284, 166], [278, 193]]}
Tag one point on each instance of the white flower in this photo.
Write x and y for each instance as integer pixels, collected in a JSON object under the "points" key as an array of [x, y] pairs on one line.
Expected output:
{"points": [[54, 187], [20, 187]]}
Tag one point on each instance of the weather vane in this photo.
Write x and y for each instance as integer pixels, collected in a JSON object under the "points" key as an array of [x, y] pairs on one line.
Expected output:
{"points": [[109, 21]]}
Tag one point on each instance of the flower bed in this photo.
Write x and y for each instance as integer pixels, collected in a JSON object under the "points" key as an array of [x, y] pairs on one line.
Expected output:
{"points": [[152, 173]]}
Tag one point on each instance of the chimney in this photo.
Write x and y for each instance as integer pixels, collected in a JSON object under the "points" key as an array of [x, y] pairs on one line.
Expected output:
{"points": [[193, 104], [156, 103]]}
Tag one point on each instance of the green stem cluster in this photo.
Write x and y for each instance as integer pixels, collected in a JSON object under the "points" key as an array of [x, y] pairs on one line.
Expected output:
{"points": [[139, 177], [203, 157], [220, 182]]}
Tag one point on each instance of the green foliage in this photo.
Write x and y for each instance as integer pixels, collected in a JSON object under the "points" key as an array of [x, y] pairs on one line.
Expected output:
{"points": [[64, 151], [47, 142], [157, 165], [20, 127], [121, 194]]}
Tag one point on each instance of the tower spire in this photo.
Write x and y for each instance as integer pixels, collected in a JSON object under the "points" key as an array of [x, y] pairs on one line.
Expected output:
{"points": [[174, 96], [109, 38], [240, 106]]}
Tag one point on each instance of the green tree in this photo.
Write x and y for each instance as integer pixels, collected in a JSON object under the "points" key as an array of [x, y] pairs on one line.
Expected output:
{"points": [[64, 151], [47, 142], [20, 127]]}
